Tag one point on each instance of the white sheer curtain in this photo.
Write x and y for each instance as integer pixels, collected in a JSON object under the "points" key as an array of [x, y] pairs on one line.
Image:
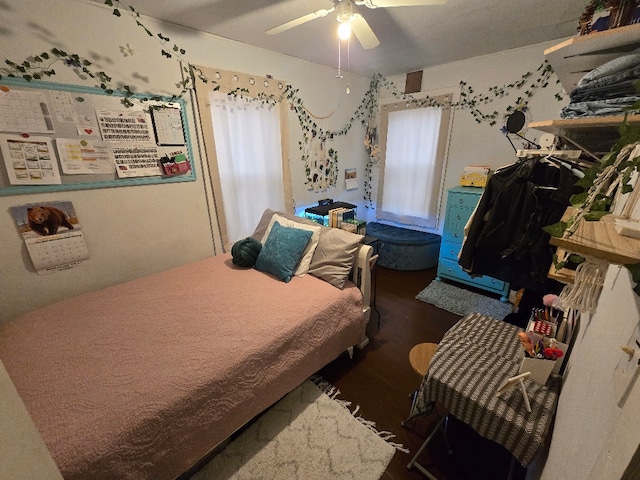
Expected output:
{"points": [[249, 160], [413, 165]]}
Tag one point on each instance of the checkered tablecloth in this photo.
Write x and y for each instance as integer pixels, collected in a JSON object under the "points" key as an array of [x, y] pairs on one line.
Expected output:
{"points": [[475, 358]]}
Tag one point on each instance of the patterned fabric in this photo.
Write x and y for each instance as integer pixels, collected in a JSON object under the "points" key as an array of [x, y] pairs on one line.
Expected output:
{"points": [[306, 435], [475, 358]]}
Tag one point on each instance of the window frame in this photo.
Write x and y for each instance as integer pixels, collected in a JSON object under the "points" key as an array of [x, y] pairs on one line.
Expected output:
{"points": [[253, 86], [443, 101]]}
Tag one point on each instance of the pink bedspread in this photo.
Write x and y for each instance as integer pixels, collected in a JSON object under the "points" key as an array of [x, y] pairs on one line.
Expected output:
{"points": [[142, 379]]}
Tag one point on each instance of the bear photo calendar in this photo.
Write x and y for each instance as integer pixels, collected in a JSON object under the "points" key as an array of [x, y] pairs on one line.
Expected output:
{"points": [[52, 234]]}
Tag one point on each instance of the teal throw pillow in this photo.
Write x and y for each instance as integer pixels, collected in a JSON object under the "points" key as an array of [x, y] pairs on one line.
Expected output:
{"points": [[245, 252], [282, 251]]}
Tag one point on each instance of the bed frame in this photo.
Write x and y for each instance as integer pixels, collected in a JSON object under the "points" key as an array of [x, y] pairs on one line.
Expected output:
{"points": [[361, 276]]}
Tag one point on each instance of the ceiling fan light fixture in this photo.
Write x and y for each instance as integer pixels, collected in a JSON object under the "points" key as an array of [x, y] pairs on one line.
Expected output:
{"points": [[344, 30]]}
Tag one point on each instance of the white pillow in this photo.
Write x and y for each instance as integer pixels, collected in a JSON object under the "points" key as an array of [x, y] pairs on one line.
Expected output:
{"points": [[307, 254]]}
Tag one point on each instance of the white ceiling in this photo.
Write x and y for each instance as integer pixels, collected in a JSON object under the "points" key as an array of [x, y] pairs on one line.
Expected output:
{"points": [[411, 38]]}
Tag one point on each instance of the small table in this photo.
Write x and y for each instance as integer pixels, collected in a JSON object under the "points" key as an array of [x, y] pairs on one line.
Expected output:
{"points": [[473, 360]]}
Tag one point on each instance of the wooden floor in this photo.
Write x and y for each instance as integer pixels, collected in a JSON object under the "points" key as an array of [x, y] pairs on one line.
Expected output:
{"points": [[379, 379]]}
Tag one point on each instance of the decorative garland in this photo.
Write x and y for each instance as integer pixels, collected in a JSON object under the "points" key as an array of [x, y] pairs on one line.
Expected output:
{"points": [[37, 67]]}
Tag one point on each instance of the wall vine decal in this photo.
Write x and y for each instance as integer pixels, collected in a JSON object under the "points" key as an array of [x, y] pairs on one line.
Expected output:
{"points": [[41, 66]]}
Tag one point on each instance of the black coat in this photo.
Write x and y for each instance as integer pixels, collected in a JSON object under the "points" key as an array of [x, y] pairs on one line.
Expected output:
{"points": [[505, 239]]}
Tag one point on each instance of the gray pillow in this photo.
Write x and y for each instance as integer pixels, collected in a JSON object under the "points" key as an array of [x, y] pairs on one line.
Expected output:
{"points": [[334, 256], [263, 224]]}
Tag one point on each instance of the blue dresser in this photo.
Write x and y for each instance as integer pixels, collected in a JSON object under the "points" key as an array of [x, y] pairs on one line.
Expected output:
{"points": [[460, 204]]}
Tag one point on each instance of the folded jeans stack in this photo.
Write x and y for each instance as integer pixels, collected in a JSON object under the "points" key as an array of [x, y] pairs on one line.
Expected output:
{"points": [[606, 90]]}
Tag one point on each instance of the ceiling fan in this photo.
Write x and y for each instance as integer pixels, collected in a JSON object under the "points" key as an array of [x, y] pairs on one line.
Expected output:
{"points": [[350, 20]]}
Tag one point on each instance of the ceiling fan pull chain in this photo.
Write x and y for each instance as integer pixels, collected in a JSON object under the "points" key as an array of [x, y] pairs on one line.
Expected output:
{"points": [[339, 75], [348, 63]]}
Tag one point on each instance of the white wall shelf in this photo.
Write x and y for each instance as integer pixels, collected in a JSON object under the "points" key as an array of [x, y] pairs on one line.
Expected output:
{"points": [[573, 58]]}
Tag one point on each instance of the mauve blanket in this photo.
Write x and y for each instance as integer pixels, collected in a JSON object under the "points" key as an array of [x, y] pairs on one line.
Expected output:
{"points": [[142, 379]]}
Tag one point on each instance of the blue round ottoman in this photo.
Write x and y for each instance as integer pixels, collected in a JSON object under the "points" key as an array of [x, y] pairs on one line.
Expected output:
{"points": [[405, 249]]}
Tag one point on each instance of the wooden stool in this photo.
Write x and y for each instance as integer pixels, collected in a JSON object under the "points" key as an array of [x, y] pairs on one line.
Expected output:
{"points": [[420, 356]]}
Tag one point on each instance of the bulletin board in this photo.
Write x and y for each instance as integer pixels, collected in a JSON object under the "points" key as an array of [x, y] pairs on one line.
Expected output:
{"points": [[56, 137]]}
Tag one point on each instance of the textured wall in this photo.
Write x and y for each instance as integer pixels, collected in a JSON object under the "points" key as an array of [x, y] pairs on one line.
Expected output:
{"points": [[593, 438]]}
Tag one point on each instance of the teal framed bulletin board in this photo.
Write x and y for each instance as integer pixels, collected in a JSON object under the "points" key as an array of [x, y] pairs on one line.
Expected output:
{"points": [[56, 137]]}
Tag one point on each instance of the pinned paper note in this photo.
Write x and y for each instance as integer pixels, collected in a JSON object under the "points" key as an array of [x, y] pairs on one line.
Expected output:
{"points": [[351, 179]]}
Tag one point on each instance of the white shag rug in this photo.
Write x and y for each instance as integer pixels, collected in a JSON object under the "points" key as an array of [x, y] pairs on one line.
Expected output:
{"points": [[462, 302], [307, 435]]}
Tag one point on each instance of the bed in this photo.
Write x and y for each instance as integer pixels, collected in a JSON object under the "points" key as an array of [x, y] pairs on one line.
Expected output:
{"points": [[146, 378]]}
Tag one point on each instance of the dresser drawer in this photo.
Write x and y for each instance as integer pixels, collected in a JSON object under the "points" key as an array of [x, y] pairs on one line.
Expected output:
{"points": [[467, 200], [450, 250], [458, 214], [453, 232], [449, 268]]}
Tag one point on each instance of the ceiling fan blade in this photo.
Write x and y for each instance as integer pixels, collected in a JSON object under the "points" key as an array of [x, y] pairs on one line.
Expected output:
{"points": [[398, 3], [299, 21], [363, 32]]}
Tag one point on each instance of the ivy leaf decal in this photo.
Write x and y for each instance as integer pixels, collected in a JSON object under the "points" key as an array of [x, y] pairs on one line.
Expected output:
{"points": [[556, 230]]}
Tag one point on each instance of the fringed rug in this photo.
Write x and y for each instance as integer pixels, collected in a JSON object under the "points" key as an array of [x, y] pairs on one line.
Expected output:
{"points": [[309, 434], [462, 302]]}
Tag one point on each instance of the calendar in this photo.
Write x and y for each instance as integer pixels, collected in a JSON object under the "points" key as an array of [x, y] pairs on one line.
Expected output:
{"points": [[52, 234], [54, 254], [167, 124]]}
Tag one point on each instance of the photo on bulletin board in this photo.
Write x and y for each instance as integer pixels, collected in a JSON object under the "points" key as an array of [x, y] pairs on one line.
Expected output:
{"points": [[29, 160], [56, 137], [52, 234]]}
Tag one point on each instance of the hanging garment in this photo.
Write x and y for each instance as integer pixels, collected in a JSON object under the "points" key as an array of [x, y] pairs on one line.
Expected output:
{"points": [[505, 239]]}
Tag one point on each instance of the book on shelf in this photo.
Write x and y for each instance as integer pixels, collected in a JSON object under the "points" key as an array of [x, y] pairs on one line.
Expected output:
{"points": [[338, 215], [355, 226]]}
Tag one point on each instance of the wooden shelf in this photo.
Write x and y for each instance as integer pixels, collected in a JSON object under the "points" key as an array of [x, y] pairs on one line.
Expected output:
{"points": [[569, 125], [593, 134], [578, 55], [600, 239]]}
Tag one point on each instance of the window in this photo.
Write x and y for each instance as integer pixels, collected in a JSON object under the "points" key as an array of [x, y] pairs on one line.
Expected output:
{"points": [[246, 152], [413, 156], [247, 140]]}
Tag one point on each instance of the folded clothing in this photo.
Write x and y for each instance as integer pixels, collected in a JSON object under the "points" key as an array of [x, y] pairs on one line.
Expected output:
{"points": [[610, 89], [601, 108], [597, 91]]}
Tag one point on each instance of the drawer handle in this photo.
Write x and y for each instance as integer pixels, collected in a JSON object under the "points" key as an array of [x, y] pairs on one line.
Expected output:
{"points": [[453, 252], [455, 235], [461, 201], [458, 217], [450, 269]]}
